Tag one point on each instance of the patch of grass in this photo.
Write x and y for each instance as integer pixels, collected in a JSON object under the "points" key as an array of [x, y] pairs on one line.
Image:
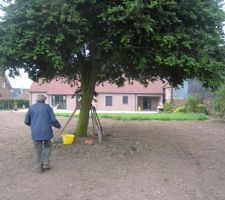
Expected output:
{"points": [[66, 114], [59, 114], [156, 116], [149, 116]]}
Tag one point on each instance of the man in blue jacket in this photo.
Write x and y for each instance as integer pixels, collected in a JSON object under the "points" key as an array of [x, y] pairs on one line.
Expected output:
{"points": [[41, 118]]}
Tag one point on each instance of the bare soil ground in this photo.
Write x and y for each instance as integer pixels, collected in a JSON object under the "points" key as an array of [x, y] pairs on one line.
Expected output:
{"points": [[138, 160]]}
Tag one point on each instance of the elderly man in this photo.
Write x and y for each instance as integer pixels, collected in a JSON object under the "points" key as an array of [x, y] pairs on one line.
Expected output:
{"points": [[41, 118]]}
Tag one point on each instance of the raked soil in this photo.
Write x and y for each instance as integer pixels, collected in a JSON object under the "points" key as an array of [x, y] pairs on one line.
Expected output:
{"points": [[138, 160]]}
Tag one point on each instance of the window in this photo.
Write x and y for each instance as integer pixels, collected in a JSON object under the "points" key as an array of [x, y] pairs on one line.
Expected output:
{"points": [[108, 100], [125, 99], [59, 101]]}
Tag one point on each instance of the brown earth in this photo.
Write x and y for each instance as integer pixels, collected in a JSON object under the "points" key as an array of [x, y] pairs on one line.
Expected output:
{"points": [[138, 160]]}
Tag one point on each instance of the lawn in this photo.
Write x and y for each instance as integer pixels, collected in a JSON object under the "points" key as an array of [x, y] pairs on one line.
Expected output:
{"points": [[149, 116]]}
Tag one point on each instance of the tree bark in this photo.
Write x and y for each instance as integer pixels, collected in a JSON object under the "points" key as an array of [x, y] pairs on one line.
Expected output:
{"points": [[85, 104], [88, 81]]}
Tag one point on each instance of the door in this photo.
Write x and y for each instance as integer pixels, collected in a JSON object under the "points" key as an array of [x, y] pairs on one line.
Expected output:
{"points": [[147, 101]]}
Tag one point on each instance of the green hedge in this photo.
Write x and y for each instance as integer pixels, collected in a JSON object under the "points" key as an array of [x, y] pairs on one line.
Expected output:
{"points": [[9, 104], [21, 103], [6, 104]]}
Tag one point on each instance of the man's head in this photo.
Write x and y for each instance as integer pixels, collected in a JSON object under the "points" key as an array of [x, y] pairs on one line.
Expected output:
{"points": [[41, 98]]}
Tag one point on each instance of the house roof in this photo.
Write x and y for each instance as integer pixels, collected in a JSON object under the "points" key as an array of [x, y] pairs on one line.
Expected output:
{"points": [[55, 87], [134, 88]]}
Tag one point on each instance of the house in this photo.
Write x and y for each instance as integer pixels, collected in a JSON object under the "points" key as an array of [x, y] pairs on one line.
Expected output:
{"points": [[20, 93], [190, 87], [175, 95], [5, 87], [24, 95], [132, 97]]}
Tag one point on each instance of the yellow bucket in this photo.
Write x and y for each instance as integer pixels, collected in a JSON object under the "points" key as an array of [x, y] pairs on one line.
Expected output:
{"points": [[68, 138]]}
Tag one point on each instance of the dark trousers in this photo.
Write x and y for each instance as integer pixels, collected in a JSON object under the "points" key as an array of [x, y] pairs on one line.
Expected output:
{"points": [[42, 152]]}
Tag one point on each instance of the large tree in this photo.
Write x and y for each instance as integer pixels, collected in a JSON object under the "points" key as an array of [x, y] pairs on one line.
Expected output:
{"points": [[97, 40]]}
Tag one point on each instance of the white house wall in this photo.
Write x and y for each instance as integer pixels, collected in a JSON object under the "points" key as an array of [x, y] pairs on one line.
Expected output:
{"points": [[117, 102], [70, 103]]}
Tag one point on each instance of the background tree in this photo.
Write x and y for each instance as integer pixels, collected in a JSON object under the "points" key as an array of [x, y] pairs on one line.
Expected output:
{"points": [[97, 40]]}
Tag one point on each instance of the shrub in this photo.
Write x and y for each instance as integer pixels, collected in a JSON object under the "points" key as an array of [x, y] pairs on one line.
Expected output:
{"points": [[7, 104], [169, 107], [219, 103], [201, 108], [179, 109], [20, 103], [192, 104]]}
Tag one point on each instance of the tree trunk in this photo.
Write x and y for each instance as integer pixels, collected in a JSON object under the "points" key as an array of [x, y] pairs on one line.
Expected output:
{"points": [[85, 104], [88, 80]]}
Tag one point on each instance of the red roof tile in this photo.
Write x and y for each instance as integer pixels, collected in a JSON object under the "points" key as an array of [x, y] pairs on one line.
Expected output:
{"points": [[135, 87], [53, 87], [38, 87]]}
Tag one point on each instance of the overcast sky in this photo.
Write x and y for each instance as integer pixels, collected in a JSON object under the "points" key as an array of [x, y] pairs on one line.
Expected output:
{"points": [[21, 81]]}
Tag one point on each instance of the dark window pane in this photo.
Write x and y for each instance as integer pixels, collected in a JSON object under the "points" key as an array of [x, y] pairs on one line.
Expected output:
{"points": [[108, 100], [147, 103], [125, 99]]}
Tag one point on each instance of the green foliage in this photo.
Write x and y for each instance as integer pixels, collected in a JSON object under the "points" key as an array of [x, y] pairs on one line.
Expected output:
{"points": [[141, 116], [179, 109], [169, 107], [7, 104], [76, 115], [219, 102], [127, 39], [158, 116], [201, 108], [21, 103], [174, 36], [191, 103], [194, 104]]}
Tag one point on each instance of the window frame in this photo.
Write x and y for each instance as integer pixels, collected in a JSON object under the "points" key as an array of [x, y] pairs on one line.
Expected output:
{"points": [[125, 100], [108, 100], [60, 101]]}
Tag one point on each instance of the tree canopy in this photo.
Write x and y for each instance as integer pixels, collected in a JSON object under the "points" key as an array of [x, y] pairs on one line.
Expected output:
{"points": [[135, 39]]}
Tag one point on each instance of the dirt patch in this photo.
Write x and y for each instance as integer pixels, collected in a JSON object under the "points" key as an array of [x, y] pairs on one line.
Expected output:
{"points": [[138, 160]]}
